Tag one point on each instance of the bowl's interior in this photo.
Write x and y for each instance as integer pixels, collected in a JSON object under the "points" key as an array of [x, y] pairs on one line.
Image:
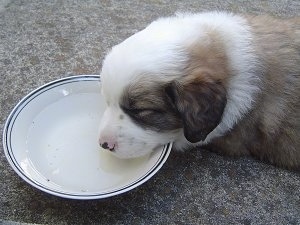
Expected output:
{"points": [[51, 142]]}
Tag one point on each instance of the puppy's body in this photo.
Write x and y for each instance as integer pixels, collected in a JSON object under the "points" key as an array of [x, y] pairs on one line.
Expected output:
{"points": [[271, 129], [214, 79]]}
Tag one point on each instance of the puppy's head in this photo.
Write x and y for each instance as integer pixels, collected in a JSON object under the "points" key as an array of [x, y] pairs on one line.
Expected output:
{"points": [[160, 84]]}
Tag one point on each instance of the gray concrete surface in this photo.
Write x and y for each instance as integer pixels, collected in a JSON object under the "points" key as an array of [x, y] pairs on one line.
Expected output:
{"points": [[44, 40]]}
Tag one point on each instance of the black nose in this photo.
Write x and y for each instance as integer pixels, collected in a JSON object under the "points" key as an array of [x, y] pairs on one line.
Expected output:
{"points": [[105, 146]]}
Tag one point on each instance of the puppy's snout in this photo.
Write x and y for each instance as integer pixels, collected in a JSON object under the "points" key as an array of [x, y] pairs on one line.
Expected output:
{"points": [[108, 144]]}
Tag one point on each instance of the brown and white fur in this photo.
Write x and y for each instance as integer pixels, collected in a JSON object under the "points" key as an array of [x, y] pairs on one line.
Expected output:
{"points": [[221, 81]]}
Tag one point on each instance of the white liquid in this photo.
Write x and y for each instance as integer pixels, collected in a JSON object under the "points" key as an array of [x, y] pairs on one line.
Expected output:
{"points": [[111, 164]]}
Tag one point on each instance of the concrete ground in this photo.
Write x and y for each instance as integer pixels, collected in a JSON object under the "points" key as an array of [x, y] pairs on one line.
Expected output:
{"points": [[43, 41]]}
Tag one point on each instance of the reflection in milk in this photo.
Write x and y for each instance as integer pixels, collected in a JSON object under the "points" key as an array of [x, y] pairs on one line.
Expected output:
{"points": [[111, 164]]}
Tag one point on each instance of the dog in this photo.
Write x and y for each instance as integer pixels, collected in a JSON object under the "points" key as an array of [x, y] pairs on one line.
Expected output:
{"points": [[225, 82]]}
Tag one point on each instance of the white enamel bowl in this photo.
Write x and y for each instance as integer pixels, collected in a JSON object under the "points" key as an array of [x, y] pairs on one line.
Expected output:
{"points": [[50, 140]]}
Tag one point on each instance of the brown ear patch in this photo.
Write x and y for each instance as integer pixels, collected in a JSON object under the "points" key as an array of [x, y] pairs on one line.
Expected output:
{"points": [[200, 105], [208, 59]]}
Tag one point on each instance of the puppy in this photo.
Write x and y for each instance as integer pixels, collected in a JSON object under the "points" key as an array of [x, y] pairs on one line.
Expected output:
{"points": [[217, 80]]}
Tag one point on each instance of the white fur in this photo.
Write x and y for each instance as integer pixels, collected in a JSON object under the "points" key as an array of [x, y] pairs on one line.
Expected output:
{"points": [[159, 52]]}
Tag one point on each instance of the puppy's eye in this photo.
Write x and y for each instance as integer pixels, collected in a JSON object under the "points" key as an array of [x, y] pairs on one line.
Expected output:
{"points": [[143, 112], [146, 112]]}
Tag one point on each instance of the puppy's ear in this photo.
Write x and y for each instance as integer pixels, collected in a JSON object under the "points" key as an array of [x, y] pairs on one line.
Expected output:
{"points": [[200, 104]]}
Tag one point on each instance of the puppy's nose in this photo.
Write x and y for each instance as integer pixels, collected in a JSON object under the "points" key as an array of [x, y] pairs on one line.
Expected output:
{"points": [[109, 145]]}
